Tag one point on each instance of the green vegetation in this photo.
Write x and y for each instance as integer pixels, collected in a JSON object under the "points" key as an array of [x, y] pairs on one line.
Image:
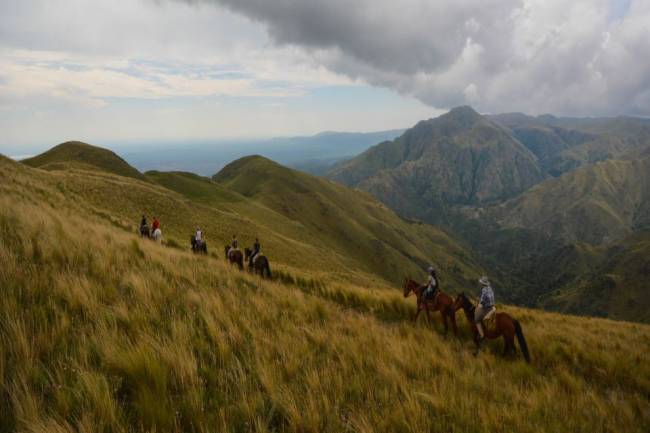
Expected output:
{"points": [[82, 155], [101, 331], [304, 222], [459, 158], [555, 242]]}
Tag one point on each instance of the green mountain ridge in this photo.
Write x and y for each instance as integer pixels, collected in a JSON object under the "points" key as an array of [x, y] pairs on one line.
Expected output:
{"points": [[304, 222], [73, 153], [590, 195], [459, 158]]}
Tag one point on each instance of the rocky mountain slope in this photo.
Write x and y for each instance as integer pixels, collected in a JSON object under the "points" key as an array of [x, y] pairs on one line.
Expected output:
{"points": [[460, 158]]}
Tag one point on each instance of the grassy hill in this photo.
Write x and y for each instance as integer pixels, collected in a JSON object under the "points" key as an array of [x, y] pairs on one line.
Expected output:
{"points": [[617, 286], [566, 243], [338, 233], [349, 222], [82, 155], [597, 203], [103, 332]]}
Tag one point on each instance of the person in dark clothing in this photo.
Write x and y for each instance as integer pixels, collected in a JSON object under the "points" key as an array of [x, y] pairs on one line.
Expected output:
{"points": [[256, 250], [144, 228]]}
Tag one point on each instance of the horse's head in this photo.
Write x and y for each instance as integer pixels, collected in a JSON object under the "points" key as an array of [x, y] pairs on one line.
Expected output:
{"points": [[458, 302], [247, 253], [462, 301], [409, 286]]}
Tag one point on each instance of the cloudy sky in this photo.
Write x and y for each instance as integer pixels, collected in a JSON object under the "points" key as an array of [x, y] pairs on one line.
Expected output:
{"points": [[111, 70]]}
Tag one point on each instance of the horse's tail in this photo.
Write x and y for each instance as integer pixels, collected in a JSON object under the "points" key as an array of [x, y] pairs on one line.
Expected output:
{"points": [[522, 341]]}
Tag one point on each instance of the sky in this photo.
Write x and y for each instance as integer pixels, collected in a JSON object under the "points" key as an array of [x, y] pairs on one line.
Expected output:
{"points": [[128, 70]]}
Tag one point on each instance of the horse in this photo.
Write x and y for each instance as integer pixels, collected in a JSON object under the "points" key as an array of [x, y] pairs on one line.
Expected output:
{"points": [[442, 302], [145, 232], [260, 265], [235, 257], [505, 326], [157, 235], [198, 247]]}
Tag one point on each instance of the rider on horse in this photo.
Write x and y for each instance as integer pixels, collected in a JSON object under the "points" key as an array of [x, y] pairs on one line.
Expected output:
{"points": [[233, 245], [198, 236], [255, 252], [432, 284], [485, 306]]}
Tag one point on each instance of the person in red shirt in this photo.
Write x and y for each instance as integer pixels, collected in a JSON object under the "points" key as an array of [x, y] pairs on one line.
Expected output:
{"points": [[155, 225]]}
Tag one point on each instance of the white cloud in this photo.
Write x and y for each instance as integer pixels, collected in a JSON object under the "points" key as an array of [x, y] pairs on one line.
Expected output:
{"points": [[583, 57]]}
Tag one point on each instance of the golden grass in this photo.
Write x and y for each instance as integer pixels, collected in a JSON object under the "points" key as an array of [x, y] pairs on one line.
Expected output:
{"points": [[104, 332]]}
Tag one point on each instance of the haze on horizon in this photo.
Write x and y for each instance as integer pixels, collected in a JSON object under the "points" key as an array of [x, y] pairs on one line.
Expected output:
{"points": [[174, 70]]}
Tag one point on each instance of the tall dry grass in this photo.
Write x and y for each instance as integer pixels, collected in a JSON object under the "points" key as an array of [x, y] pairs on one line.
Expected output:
{"points": [[104, 332]]}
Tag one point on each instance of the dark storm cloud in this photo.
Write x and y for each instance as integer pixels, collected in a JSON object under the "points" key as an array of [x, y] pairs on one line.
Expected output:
{"points": [[532, 55]]}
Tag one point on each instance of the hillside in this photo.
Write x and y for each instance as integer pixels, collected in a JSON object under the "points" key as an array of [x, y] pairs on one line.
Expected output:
{"points": [[361, 239], [102, 331], [350, 222], [617, 286], [76, 153], [562, 144], [459, 158], [597, 203]]}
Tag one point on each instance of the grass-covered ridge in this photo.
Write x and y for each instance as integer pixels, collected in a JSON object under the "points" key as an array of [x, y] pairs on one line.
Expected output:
{"points": [[103, 332], [78, 154]]}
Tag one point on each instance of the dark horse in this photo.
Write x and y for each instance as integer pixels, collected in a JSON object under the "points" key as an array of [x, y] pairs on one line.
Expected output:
{"points": [[261, 265], [235, 257], [200, 247], [442, 302], [505, 326], [145, 232]]}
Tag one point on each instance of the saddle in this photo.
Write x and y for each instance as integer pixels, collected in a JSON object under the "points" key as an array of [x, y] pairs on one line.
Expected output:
{"points": [[490, 320]]}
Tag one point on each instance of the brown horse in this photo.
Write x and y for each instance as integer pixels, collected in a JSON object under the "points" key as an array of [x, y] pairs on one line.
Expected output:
{"points": [[442, 302], [261, 265], [235, 257], [505, 326]]}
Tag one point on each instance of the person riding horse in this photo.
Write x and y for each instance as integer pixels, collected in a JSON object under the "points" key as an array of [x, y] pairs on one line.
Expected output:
{"points": [[256, 251], [234, 245], [485, 306], [431, 289], [197, 242], [144, 227]]}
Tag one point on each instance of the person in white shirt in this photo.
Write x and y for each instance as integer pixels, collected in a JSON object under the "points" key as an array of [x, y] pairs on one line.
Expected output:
{"points": [[432, 284]]}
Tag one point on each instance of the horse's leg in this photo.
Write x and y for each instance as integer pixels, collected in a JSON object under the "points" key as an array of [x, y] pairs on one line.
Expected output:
{"points": [[506, 345], [452, 316], [426, 309], [417, 313], [443, 313]]}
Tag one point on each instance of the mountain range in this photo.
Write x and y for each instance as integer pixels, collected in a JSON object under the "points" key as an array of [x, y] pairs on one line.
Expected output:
{"points": [[543, 201]]}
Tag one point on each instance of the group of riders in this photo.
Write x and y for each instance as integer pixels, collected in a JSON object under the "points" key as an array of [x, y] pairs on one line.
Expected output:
{"points": [[428, 294], [197, 240], [153, 232], [484, 309]]}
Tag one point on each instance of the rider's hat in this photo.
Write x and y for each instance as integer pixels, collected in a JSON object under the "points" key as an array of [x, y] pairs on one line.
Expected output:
{"points": [[484, 281], [431, 269]]}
